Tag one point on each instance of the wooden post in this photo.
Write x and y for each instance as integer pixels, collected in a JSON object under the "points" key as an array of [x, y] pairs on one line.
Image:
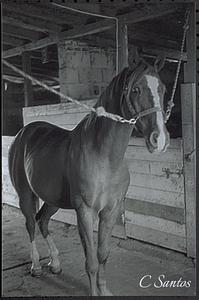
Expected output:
{"points": [[122, 46], [28, 89], [188, 100], [122, 62]]}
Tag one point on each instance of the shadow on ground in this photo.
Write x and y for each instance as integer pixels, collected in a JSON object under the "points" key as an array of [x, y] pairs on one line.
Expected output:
{"points": [[129, 261]]}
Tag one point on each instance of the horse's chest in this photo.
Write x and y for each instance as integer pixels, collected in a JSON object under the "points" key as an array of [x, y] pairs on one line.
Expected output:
{"points": [[100, 186]]}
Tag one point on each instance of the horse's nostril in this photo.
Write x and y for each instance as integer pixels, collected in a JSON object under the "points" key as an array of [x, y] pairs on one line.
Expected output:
{"points": [[154, 138]]}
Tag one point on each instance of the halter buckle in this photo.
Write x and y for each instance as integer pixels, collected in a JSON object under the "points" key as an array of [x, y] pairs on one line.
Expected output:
{"points": [[133, 121]]}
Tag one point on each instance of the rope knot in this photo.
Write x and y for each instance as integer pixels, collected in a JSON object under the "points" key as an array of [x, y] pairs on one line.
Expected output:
{"points": [[100, 111]]}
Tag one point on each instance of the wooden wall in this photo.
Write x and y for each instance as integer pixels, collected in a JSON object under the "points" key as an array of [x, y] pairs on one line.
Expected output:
{"points": [[155, 210]]}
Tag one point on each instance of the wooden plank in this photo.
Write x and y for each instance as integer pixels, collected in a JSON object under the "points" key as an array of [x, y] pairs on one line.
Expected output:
{"points": [[39, 74], [156, 237], [81, 31], [28, 88], [33, 23], [65, 35], [122, 47], [174, 184], [10, 40], [21, 33], [136, 152], [170, 213], [59, 120], [6, 142], [10, 199], [156, 196], [170, 53], [155, 168], [174, 143], [188, 92], [155, 223], [188, 102], [151, 50], [150, 37], [42, 12], [66, 216], [14, 79], [60, 108]]}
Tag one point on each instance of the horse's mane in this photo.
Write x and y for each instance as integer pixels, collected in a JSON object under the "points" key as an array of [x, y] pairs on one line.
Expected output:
{"points": [[110, 98]]}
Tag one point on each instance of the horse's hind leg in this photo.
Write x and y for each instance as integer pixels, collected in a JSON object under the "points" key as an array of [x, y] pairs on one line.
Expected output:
{"points": [[28, 202], [43, 217]]}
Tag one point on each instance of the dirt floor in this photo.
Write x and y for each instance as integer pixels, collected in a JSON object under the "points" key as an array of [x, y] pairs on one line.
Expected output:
{"points": [[129, 261]]}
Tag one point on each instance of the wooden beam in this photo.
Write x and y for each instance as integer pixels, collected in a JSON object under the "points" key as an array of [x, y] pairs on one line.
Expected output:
{"points": [[10, 40], [65, 35], [88, 7], [21, 32], [28, 88], [32, 23], [140, 15], [154, 38], [151, 50], [81, 31], [20, 80], [122, 46], [35, 73], [15, 79], [188, 92], [46, 13], [170, 53]]}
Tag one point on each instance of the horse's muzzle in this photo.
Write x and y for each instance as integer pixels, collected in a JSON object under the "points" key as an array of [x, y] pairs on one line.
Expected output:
{"points": [[153, 143]]}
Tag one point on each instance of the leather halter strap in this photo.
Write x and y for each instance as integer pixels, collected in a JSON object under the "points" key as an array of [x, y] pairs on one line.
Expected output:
{"points": [[135, 76]]}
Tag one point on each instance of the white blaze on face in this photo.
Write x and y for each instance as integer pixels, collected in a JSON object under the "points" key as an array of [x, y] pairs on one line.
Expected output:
{"points": [[153, 84]]}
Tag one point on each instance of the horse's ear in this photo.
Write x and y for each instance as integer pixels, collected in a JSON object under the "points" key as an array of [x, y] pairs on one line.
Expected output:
{"points": [[133, 57], [159, 62]]}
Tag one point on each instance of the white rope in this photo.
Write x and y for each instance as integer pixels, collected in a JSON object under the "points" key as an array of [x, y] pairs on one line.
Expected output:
{"points": [[100, 111], [171, 104], [100, 16]]}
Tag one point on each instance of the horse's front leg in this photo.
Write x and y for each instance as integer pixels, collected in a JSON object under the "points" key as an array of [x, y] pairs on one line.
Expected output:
{"points": [[85, 226], [107, 219]]}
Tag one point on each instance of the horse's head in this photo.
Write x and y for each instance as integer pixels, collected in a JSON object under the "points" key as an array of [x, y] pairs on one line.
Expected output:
{"points": [[142, 98]]}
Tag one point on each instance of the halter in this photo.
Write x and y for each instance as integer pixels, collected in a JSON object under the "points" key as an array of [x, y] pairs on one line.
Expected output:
{"points": [[134, 77]]}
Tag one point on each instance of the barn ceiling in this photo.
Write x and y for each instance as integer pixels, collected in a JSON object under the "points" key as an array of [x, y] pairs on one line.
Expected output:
{"points": [[37, 27]]}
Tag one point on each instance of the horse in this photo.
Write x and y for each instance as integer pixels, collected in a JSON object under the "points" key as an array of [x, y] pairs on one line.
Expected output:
{"points": [[84, 168]]}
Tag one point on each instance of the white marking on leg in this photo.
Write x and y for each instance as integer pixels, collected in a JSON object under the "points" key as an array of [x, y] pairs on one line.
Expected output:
{"points": [[34, 257], [55, 264], [153, 84]]}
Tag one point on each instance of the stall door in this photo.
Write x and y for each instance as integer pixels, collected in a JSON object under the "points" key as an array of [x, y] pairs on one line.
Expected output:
{"points": [[154, 206]]}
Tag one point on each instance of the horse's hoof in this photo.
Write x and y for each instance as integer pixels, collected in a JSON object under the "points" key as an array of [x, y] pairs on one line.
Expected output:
{"points": [[55, 270], [35, 272]]}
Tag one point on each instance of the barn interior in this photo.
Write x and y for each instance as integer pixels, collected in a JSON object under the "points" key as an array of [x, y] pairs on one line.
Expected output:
{"points": [[73, 48], [33, 37]]}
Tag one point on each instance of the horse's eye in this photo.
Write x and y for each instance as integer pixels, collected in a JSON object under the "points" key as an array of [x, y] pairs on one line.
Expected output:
{"points": [[136, 90]]}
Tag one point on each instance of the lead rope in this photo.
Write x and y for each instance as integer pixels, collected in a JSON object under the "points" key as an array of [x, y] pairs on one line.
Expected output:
{"points": [[100, 111], [170, 103]]}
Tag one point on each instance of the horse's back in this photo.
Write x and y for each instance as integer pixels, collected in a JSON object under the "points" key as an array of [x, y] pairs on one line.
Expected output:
{"points": [[39, 155]]}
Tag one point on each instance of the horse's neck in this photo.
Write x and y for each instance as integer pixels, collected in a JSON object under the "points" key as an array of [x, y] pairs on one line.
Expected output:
{"points": [[109, 138], [117, 143]]}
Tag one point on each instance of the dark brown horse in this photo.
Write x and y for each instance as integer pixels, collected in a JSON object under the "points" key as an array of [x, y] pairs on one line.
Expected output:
{"points": [[84, 169]]}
